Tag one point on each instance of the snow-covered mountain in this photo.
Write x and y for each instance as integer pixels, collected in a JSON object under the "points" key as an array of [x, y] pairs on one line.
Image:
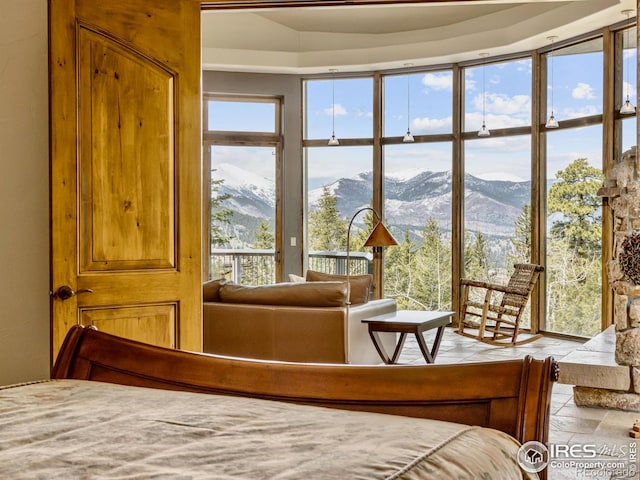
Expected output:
{"points": [[251, 194], [491, 206]]}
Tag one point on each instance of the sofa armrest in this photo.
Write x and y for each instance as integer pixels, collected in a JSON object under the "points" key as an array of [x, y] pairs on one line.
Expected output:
{"points": [[360, 348]]}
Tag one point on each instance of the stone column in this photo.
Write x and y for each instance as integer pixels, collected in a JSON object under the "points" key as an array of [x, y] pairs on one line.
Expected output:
{"points": [[623, 271]]}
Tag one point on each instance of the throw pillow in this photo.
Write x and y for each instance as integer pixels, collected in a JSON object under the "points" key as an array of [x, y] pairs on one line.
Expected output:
{"points": [[296, 278], [305, 294], [360, 284], [211, 290]]}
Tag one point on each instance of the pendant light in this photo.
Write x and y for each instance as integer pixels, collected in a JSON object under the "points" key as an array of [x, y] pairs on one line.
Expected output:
{"points": [[333, 141], [408, 138], [552, 122], [484, 131], [627, 107]]}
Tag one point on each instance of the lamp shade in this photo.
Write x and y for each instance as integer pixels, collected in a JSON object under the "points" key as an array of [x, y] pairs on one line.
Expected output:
{"points": [[380, 236], [627, 108], [552, 122]]}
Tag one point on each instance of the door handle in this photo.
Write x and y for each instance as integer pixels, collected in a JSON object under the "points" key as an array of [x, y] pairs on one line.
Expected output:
{"points": [[65, 292]]}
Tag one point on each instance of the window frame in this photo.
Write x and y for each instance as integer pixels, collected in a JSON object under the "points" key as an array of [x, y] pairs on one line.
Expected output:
{"points": [[235, 139]]}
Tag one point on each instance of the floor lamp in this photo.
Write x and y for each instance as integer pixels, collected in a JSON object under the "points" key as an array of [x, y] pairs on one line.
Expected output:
{"points": [[380, 236]]}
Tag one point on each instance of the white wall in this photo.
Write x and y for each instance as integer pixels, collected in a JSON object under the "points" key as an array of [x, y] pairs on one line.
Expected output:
{"points": [[24, 192]]}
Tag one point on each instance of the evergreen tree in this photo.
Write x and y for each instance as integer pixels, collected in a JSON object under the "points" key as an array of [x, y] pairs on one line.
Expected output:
{"points": [[574, 251], [521, 240], [476, 258], [220, 216], [264, 236], [433, 269], [398, 268], [260, 269], [574, 197], [327, 230]]}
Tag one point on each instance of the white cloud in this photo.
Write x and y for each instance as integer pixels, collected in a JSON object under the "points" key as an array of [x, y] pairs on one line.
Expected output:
{"points": [[438, 81], [583, 91], [503, 104], [469, 82], [362, 113], [339, 110], [506, 110], [431, 125], [580, 112], [473, 121]]}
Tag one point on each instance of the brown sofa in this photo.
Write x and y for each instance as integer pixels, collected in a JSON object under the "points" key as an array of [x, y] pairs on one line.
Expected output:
{"points": [[297, 322]]}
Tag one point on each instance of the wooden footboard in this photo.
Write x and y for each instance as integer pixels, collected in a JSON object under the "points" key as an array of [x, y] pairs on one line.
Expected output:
{"points": [[512, 396]]}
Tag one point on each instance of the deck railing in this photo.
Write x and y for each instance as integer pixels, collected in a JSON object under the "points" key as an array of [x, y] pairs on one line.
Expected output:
{"points": [[258, 267]]}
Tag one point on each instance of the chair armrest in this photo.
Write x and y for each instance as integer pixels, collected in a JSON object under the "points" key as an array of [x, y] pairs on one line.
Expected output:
{"points": [[492, 286]]}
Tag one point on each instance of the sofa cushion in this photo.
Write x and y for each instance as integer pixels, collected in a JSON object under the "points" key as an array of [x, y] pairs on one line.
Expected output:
{"points": [[307, 294], [296, 278], [211, 290], [360, 284]]}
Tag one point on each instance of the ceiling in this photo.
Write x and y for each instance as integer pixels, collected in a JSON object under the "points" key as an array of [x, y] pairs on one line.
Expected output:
{"points": [[312, 39]]}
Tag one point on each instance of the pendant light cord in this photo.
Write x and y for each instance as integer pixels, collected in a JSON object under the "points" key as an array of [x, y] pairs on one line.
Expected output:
{"points": [[484, 95], [552, 78], [626, 34], [333, 106], [408, 103]]}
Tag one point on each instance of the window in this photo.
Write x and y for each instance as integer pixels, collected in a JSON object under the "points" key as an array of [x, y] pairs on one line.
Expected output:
{"points": [[506, 102], [497, 170], [417, 200], [339, 178], [573, 209], [418, 208], [627, 83], [429, 104], [241, 159]]}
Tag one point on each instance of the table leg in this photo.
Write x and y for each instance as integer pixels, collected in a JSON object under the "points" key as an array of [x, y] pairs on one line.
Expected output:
{"points": [[398, 349], [378, 344], [380, 348], [430, 356]]}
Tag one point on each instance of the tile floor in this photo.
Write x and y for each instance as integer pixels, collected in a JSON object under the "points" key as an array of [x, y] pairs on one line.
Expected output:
{"points": [[570, 424]]}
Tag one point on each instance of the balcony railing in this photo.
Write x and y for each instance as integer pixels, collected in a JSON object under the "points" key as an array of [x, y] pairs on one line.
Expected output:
{"points": [[258, 267]]}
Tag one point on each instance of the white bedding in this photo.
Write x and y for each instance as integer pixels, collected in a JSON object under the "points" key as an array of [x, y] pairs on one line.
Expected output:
{"points": [[72, 429]]}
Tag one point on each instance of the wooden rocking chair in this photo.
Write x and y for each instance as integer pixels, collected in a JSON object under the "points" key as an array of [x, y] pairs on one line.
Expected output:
{"points": [[500, 313]]}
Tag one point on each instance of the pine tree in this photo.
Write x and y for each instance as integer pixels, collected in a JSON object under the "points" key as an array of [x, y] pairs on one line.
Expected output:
{"points": [[260, 269], [476, 258], [433, 269], [398, 268], [219, 216], [575, 198], [264, 236], [574, 251], [521, 240], [327, 230]]}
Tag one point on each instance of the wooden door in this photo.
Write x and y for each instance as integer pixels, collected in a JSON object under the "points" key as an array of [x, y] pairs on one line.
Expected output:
{"points": [[126, 169]]}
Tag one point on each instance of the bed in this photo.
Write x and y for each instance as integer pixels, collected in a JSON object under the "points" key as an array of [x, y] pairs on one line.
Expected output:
{"points": [[115, 408]]}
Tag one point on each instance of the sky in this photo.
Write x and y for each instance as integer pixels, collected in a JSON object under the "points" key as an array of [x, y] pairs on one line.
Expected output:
{"points": [[576, 91], [345, 104]]}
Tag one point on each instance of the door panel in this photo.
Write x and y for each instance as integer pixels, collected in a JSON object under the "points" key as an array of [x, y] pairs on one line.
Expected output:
{"points": [[127, 207], [153, 324], [126, 168]]}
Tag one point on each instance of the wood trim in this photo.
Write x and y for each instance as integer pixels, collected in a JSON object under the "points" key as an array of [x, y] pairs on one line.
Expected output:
{"points": [[611, 142], [538, 301], [514, 395], [457, 194], [244, 4], [378, 179]]}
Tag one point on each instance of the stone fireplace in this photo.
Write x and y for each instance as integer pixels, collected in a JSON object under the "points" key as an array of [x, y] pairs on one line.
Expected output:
{"points": [[615, 383]]}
